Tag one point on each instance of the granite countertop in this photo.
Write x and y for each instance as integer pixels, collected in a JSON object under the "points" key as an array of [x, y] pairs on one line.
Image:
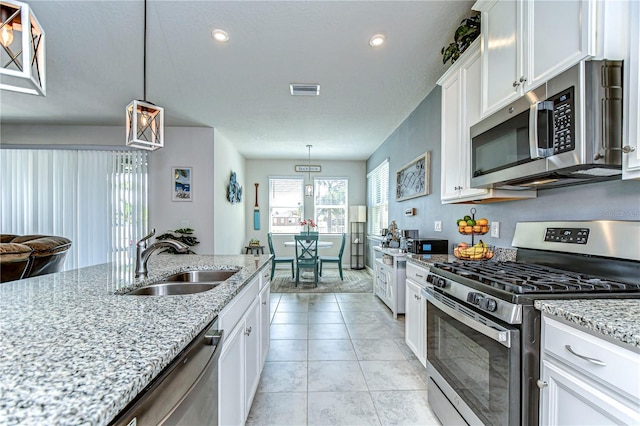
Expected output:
{"points": [[618, 319], [76, 351]]}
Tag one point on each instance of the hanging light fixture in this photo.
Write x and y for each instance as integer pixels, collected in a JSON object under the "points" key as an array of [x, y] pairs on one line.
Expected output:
{"points": [[308, 188], [22, 51], [145, 121]]}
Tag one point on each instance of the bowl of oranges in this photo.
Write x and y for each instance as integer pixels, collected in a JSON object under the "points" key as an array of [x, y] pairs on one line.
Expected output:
{"points": [[478, 251], [470, 226]]}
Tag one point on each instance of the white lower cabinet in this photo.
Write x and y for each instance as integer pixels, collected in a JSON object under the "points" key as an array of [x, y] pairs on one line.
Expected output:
{"points": [[415, 319], [243, 351], [389, 279], [231, 389], [252, 354], [586, 380], [265, 336]]}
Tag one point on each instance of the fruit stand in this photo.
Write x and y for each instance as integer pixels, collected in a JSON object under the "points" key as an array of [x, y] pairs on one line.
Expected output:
{"points": [[468, 225]]}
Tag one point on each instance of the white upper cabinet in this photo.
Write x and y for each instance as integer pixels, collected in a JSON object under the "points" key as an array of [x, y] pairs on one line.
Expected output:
{"points": [[460, 110], [501, 27], [527, 42]]}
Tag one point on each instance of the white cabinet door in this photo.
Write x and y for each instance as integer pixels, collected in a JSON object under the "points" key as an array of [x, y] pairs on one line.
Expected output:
{"points": [[501, 53], [252, 354], [525, 43], [231, 384], [568, 400], [450, 138], [265, 315], [460, 110], [558, 35], [415, 321], [631, 160]]}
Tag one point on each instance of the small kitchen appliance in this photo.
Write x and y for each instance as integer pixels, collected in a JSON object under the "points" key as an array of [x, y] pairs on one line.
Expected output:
{"points": [[428, 246], [483, 332], [567, 131]]}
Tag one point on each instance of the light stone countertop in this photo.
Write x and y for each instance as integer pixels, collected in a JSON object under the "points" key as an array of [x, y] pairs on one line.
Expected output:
{"points": [[75, 352], [618, 319]]}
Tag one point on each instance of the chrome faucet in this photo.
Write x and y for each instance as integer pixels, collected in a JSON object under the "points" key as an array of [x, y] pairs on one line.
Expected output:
{"points": [[143, 252]]}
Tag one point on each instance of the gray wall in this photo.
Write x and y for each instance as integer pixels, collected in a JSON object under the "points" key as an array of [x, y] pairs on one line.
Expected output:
{"points": [[420, 132]]}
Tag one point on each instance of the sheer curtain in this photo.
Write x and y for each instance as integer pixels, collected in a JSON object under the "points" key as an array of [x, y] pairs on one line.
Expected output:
{"points": [[97, 199]]}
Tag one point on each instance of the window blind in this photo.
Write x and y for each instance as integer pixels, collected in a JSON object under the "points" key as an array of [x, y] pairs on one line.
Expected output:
{"points": [[330, 204], [286, 204], [97, 199], [378, 198]]}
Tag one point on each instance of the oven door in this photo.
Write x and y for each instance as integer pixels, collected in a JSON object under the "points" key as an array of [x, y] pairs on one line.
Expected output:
{"points": [[473, 362]]}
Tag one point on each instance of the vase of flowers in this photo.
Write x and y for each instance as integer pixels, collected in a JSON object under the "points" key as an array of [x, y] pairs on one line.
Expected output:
{"points": [[307, 224]]}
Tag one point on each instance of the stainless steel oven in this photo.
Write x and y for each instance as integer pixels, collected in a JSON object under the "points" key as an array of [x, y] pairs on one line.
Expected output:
{"points": [[472, 361], [483, 332]]}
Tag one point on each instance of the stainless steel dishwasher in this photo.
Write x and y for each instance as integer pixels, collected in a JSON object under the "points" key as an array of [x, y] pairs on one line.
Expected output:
{"points": [[186, 392]]}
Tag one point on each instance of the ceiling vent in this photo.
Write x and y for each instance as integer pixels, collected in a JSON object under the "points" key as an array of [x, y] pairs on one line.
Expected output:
{"points": [[304, 89]]}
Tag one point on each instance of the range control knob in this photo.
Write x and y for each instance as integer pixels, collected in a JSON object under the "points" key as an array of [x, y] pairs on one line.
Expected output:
{"points": [[440, 282], [487, 304], [474, 298]]}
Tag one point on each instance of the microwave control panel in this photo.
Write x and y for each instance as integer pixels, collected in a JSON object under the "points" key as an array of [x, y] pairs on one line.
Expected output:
{"points": [[567, 235], [563, 121]]}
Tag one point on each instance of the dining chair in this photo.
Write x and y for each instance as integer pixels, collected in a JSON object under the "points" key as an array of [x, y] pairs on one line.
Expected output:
{"points": [[275, 259], [334, 259], [306, 255]]}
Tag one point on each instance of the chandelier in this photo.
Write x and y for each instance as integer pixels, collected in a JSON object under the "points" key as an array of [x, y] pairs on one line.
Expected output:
{"points": [[145, 121]]}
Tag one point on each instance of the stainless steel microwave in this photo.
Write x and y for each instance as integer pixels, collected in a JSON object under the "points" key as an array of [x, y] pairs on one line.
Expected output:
{"points": [[566, 132]]}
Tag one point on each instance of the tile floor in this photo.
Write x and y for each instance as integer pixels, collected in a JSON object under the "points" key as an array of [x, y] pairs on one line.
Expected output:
{"points": [[339, 359]]}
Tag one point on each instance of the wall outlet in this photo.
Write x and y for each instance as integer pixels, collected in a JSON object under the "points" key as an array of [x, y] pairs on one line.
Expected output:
{"points": [[495, 229], [437, 226]]}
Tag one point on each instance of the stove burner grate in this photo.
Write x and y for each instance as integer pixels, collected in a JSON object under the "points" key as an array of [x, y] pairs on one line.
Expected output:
{"points": [[523, 278]]}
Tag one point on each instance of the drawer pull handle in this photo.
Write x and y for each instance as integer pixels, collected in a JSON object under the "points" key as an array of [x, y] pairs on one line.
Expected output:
{"points": [[586, 358], [419, 275]]}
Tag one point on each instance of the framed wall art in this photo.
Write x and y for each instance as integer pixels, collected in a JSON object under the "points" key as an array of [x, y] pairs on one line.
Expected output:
{"points": [[412, 180], [181, 184]]}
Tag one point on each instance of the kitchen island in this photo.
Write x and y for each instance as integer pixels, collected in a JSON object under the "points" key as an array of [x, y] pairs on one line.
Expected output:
{"points": [[75, 350]]}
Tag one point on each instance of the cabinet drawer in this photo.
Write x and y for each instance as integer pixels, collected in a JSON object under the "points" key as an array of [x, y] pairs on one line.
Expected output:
{"points": [[417, 274], [610, 364], [232, 313], [265, 276]]}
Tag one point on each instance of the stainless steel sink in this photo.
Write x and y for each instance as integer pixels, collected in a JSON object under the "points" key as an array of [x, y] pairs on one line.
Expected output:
{"points": [[202, 276], [172, 288]]}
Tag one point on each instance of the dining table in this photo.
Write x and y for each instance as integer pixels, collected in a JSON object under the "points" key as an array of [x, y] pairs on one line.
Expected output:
{"points": [[321, 244]]}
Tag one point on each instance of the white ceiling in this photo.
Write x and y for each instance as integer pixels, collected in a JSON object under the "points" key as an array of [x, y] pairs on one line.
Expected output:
{"points": [[95, 68]]}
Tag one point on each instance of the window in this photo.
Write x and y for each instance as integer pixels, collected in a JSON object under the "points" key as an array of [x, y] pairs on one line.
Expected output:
{"points": [[286, 204], [330, 201], [97, 199], [378, 198]]}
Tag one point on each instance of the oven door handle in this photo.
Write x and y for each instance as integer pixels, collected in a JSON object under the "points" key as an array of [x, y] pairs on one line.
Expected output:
{"points": [[501, 336]]}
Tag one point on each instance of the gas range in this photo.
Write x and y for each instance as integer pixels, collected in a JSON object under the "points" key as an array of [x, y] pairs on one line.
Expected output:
{"points": [[500, 288], [483, 332]]}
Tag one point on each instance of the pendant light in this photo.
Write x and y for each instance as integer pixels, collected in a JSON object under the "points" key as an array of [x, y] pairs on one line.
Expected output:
{"points": [[22, 49], [308, 188], [145, 121]]}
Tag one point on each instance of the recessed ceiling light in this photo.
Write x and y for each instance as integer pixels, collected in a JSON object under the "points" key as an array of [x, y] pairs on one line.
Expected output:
{"points": [[376, 40], [220, 35]]}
